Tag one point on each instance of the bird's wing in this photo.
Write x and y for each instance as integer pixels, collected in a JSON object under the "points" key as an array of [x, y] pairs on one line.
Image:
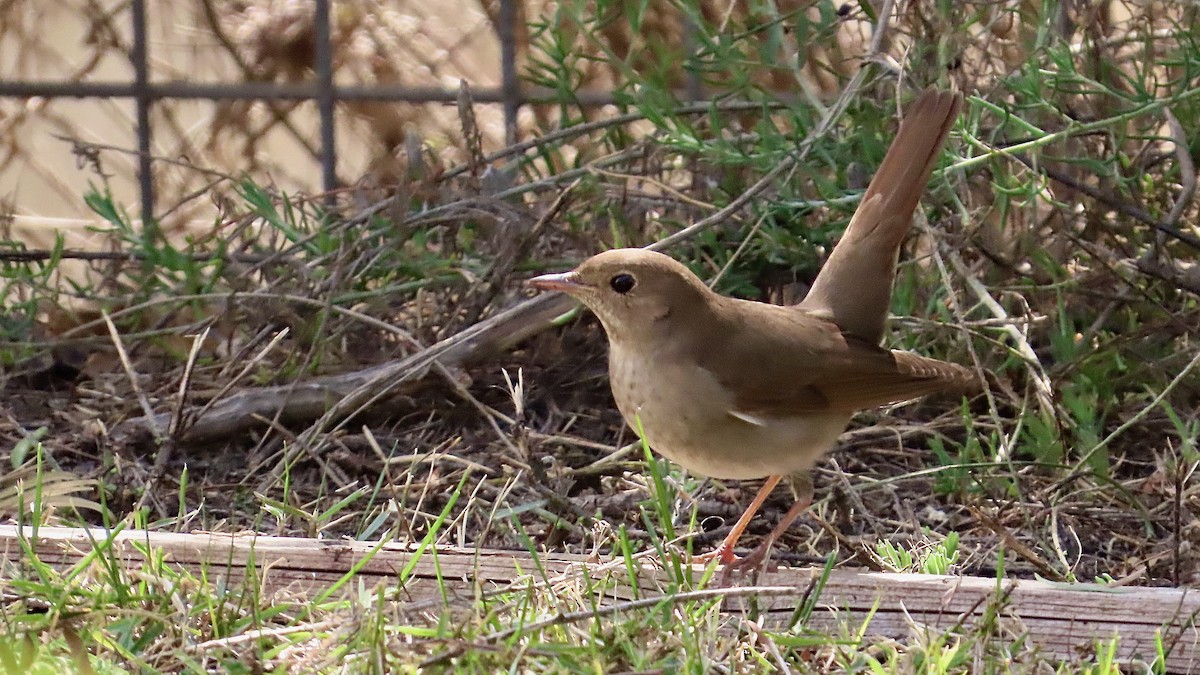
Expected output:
{"points": [[794, 363]]}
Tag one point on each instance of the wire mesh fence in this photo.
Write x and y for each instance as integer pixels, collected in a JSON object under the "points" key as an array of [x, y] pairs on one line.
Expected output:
{"points": [[156, 100], [237, 88]]}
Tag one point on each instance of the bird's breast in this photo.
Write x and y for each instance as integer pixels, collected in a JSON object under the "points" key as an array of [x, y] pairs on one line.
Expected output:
{"points": [[689, 417]]}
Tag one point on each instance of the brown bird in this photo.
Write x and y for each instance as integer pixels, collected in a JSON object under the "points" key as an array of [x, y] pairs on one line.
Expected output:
{"points": [[737, 389]]}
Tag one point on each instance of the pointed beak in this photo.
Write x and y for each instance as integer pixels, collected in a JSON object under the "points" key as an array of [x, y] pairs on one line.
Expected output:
{"points": [[565, 282]]}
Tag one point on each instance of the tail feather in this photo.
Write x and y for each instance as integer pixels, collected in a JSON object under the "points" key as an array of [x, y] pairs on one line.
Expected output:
{"points": [[854, 288], [940, 375]]}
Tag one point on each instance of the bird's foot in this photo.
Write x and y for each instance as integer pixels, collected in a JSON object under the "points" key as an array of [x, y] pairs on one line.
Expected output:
{"points": [[732, 563], [752, 563], [722, 553]]}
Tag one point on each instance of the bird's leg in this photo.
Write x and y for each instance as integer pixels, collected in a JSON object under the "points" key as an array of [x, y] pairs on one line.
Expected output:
{"points": [[724, 551], [802, 491]]}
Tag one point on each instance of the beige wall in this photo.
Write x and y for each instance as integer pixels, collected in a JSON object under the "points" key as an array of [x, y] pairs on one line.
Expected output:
{"points": [[42, 182]]}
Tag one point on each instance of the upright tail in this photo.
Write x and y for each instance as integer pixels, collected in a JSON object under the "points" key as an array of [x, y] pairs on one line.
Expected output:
{"points": [[854, 288]]}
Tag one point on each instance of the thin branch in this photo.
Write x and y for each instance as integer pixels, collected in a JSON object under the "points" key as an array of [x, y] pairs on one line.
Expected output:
{"points": [[1110, 200]]}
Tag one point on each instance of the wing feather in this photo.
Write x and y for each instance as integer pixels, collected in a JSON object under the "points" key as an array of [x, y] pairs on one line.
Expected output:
{"points": [[794, 363]]}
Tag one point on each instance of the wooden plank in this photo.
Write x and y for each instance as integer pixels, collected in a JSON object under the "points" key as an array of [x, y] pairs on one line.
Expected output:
{"points": [[1064, 621]]}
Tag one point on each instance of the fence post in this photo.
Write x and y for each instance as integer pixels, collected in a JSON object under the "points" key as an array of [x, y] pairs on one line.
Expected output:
{"points": [[509, 84], [143, 99], [323, 37]]}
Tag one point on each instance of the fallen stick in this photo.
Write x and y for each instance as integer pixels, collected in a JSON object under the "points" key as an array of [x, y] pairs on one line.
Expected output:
{"points": [[308, 400]]}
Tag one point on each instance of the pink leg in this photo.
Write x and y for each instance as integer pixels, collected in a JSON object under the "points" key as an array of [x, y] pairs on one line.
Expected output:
{"points": [[724, 551], [804, 496]]}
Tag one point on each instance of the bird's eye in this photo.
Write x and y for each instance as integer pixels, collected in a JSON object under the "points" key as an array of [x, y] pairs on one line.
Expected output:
{"points": [[622, 283]]}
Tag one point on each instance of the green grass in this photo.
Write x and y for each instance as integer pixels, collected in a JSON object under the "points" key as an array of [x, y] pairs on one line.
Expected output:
{"points": [[106, 615]]}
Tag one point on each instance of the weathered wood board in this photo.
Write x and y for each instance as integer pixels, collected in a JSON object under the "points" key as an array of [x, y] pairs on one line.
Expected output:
{"points": [[1062, 620]]}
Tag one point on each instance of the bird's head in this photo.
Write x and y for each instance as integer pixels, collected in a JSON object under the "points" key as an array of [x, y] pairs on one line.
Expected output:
{"points": [[636, 293]]}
